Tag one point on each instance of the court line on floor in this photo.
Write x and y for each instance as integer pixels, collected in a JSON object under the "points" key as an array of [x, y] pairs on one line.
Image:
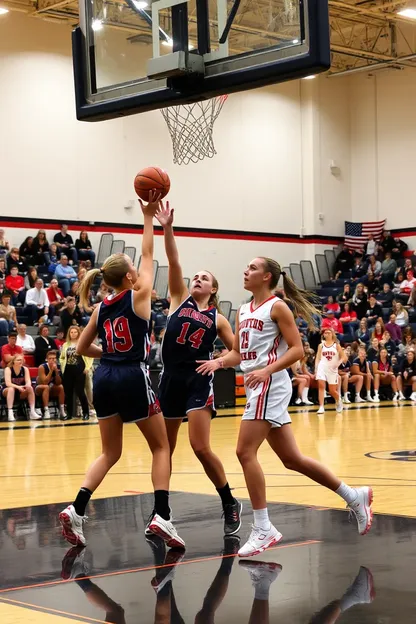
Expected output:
{"points": [[50, 610], [148, 568]]}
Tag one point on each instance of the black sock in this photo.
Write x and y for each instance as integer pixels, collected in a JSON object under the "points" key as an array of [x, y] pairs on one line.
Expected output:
{"points": [[226, 497], [84, 583], [81, 501], [162, 504]]}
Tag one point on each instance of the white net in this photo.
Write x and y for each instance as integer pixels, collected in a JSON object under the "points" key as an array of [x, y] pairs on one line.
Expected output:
{"points": [[191, 127]]}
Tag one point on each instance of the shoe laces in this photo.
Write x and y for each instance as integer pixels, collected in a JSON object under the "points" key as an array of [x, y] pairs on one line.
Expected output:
{"points": [[355, 513], [230, 513]]}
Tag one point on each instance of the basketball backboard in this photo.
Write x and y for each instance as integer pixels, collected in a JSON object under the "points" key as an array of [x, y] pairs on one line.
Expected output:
{"points": [[136, 55]]}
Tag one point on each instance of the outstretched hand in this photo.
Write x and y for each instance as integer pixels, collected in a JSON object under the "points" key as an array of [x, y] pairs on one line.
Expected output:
{"points": [[152, 205], [164, 214]]}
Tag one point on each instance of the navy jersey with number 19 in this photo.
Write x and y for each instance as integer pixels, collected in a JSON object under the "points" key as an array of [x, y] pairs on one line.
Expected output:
{"points": [[190, 336]]}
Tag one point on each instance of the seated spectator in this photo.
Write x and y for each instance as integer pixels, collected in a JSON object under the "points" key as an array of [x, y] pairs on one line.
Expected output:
{"points": [[344, 370], [15, 283], [374, 266], [4, 243], [14, 259], [407, 266], [399, 248], [49, 385], [388, 343], [65, 244], [388, 269], [54, 257], [344, 263], [37, 304], [359, 301], [371, 246], [160, 311], [363, 335], [379, 330], [70, 314], [60, 337], [82, 271], [84, 248], [372, 285], [384, 375], [407, 376], [407, 285], [346, 295], [411, 304], [394, 330], [373, 351], [41, 248], [361, 367], [387, 242], [65, 275], [301, 382], [385, 297], [74, 291], [155, 357], [55, 296], [349, 320], [332, 306], [3, 289], [74, 368], [359, 269], [374, 310], [10, 349], [27, 250], [24, 340], [103, 292], [408, 341], [7, 313], [43, 344], [31, 277], [402, 317], [330, 322], [17, 380], [3, 268]]}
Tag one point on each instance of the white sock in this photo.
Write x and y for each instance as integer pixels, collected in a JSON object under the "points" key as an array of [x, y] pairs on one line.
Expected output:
{"points": [[376, 393], [62, 409], [261, 519], [305, 395], [346, 492], [262, 590], [10, 413]]}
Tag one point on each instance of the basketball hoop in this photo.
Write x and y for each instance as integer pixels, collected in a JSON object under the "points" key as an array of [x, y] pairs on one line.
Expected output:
{"points": [[191, 127]]}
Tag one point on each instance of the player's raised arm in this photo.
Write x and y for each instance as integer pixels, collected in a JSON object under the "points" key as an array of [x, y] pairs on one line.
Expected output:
{"points": [[177, 288]]}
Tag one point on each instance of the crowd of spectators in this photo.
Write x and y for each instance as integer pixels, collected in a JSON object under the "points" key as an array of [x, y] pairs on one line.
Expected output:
{"points": [[373, 313]]}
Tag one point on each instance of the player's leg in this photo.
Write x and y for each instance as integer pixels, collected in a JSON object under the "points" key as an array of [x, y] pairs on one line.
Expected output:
{"points": [[43, 392], [321, 395], [172, 428], [283, 443], [9, 394], [333, 389], [111, 431], [345, 380], [368, 380], [29, 396], [199, 430], [80, 392], [400, 387], [264, 534], [413, 395], [262, 574], [377, 381], [57, 392], [358, 381]]}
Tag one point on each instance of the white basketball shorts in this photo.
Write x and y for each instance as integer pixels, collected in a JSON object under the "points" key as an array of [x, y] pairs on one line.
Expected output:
{"points": [[328, 375], [270, 400]]}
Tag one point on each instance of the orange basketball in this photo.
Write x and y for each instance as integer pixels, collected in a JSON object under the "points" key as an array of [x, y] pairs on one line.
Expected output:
{"points": [[151, 179]]}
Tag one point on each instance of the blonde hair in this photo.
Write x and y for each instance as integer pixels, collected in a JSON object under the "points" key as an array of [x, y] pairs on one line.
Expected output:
{"points": [[113, 272], [14, 358], [334, 336], [302, 300], [68, 333], [213, 300]]}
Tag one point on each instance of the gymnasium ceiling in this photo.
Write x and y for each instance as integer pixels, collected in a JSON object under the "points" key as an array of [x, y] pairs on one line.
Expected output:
{"points": [[365, 34]]}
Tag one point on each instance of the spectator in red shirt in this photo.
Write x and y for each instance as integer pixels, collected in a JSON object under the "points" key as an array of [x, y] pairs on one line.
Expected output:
{"points": [[10, 349], [349, 320], [56, 296], [332, 306], [15, 283], [333, 323]]}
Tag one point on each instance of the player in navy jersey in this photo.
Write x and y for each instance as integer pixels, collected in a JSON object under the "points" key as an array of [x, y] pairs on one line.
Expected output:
{"points": [[122, 389], [192, 328]]}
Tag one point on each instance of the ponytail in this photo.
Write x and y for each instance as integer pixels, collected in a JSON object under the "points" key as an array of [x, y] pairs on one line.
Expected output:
{"points": [[213, 301], [85, 286], [301, 300]]}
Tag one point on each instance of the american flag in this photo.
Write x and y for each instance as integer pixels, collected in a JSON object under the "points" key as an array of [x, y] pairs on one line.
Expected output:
{"points": [[356, 234]]}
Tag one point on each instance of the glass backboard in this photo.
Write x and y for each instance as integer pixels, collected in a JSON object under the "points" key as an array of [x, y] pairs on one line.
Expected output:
{"points": [[136, 55]]}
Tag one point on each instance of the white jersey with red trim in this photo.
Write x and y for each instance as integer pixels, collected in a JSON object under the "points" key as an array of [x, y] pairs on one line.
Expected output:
{"points": [[261, 342], [329, 358]]}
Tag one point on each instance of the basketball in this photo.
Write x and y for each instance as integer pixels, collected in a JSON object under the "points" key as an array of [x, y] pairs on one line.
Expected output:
{"points": [[151, 179]]}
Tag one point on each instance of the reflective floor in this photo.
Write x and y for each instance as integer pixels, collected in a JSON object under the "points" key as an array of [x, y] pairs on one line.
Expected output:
{"points": [[322, 572]]}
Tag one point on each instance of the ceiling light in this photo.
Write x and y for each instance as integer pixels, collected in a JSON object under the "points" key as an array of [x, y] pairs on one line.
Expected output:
{"points": [[309, 77], [97, 24], [3, 11], [140, 4], [408, 13], [168, 42]]}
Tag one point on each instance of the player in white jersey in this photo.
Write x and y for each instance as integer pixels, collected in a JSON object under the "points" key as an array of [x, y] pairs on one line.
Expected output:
{"points": [[266, 344], [328, 358]]}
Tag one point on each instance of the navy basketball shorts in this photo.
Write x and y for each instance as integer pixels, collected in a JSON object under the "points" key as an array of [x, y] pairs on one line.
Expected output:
{"points": [[179, 395], [125, 390]]}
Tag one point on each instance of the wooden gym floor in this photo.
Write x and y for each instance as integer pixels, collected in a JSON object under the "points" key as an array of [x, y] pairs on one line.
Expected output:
{"points": [[42, 465]]}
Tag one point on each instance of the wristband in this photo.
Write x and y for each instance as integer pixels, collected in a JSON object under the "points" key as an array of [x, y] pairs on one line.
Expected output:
{"points": [[221, 362]]}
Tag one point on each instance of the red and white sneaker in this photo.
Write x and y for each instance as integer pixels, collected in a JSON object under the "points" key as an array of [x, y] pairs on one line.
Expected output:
{"points": [[361, 508], [262, 575], [259, 540], [361, 591], [167, 571], [166, 530], [71, 524]]}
